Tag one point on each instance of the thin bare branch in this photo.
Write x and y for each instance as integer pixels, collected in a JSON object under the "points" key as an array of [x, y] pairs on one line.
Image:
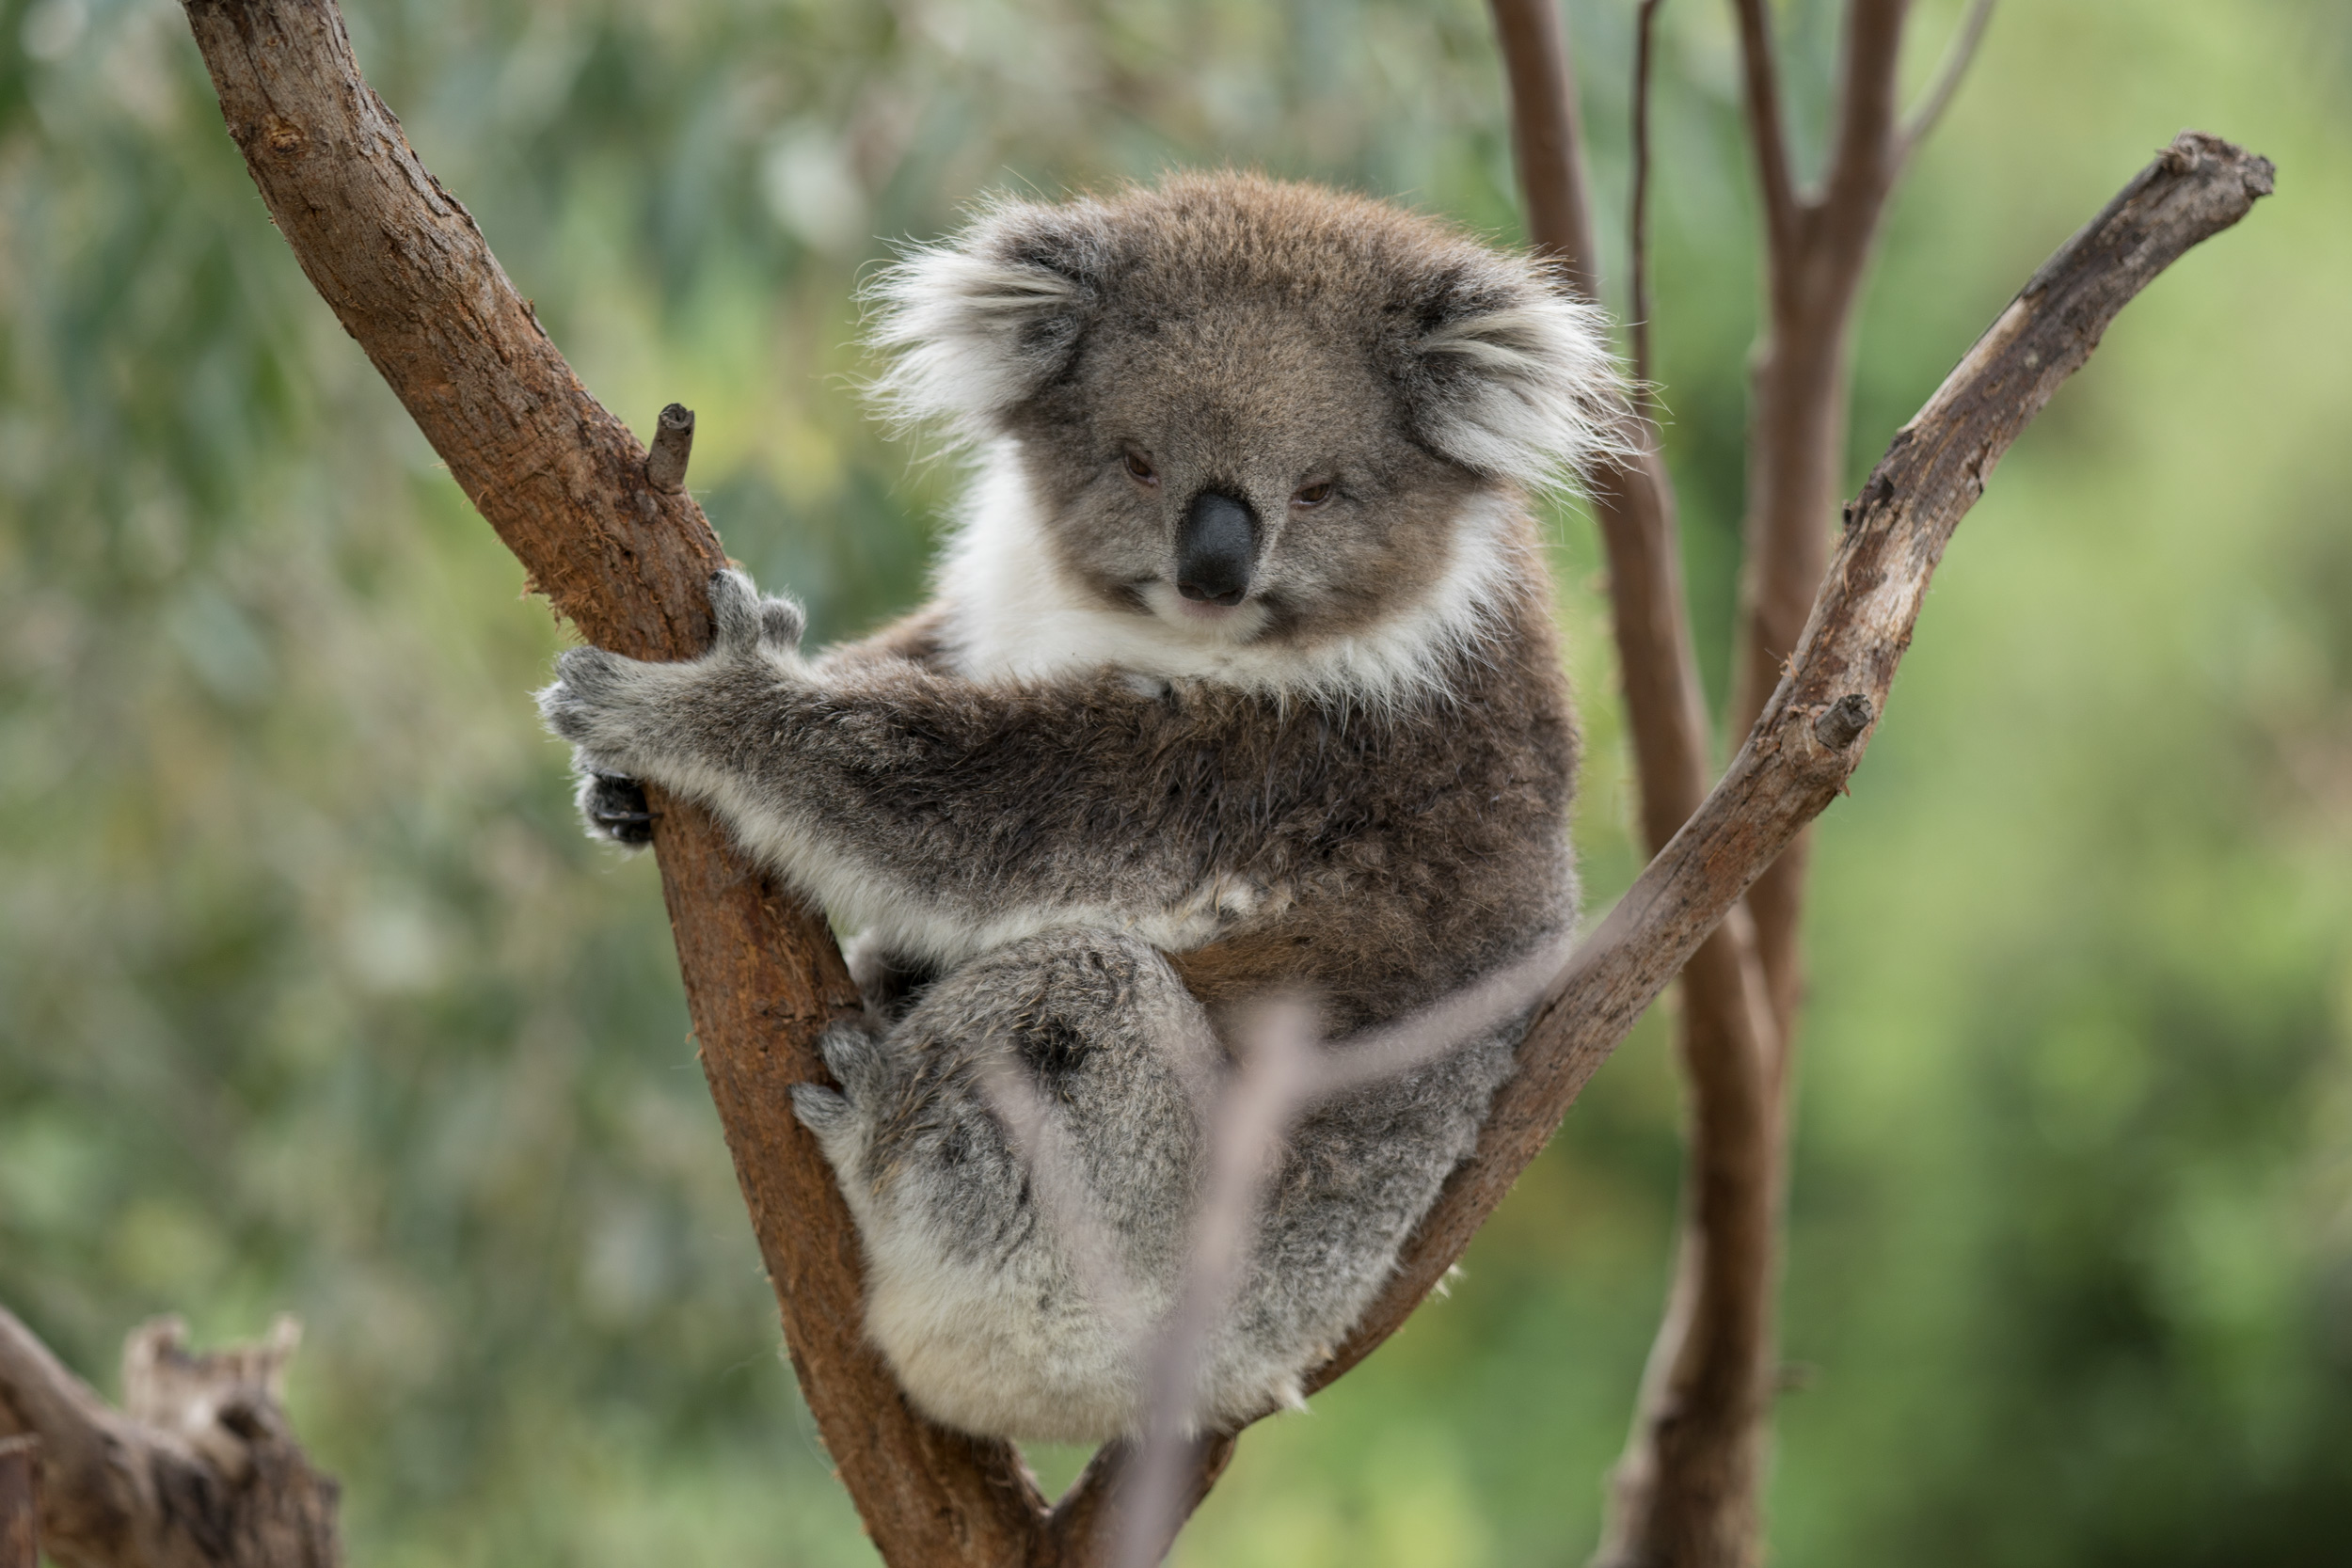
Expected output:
{"points": [[1861, 624], [1947, 79], [1278, 1075], [1645, 370], [1284, 1072], [1057, 1185], [1863, 143], [1546, 136], [1768, 133]]}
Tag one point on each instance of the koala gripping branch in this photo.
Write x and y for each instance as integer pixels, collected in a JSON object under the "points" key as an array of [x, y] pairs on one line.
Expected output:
{"points": [[566, 485]]}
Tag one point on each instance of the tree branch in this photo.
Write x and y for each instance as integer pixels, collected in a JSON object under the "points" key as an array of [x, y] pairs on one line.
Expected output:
{"points": [[1786, 775], [1545, 138], [200, 1468], [564, 482], [1645, 48], [1862, 148], [1947, 79], [1768, 133], [565, 485], [1717, 1329], [20, 1501]]}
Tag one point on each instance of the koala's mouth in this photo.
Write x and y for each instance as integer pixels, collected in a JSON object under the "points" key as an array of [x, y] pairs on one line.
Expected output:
{"points": [[1201, 618]]}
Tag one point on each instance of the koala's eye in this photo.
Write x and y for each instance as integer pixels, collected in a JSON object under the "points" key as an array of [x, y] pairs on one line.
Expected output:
{"points": [[1313, 495], [1139, 470]]}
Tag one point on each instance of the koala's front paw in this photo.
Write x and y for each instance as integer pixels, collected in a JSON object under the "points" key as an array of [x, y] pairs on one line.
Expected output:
{"points": [[608, 704], [614, 805]]}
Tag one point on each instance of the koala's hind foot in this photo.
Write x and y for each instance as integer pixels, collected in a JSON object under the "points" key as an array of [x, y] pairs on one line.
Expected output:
{"points": [[990, 1319]]}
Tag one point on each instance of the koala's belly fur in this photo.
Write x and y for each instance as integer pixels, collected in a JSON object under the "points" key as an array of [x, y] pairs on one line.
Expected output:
{"points": [[1412, 848]]}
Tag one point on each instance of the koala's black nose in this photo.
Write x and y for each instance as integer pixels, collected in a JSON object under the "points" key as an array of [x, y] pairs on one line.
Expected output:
{"points": [[1217, 548]]}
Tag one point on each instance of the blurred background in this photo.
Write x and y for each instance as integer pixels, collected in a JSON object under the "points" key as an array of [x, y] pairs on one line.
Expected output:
{"points": [[312, 996]]}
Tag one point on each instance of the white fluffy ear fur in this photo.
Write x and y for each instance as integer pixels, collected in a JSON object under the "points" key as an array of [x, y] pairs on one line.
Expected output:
{"points": [[1525, 390], [977, 324]]}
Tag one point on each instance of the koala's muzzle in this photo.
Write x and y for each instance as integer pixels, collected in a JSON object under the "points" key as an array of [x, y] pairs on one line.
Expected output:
{"points": [[1217, 548]]}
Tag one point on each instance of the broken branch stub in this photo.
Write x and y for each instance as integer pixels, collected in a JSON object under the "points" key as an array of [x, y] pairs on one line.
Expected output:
{"points": [[672, 444]]}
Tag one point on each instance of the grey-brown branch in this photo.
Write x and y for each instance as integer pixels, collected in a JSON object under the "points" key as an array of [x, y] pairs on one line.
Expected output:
{"points": [[567, 486], [1786, 775]]}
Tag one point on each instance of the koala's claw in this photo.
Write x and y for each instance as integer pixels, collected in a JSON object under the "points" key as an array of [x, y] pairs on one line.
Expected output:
{"points": [[854, 1059], [614, 805]]}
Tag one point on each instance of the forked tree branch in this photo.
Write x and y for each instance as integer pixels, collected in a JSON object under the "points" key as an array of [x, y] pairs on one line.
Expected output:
{"points": [[1788, 773], [1716, 1330], [1637, 247], [564, 482], [1768, 126]]}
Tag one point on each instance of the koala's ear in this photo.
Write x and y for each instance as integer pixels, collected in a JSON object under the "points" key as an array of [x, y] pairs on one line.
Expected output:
{"points": [[981, 322], [1509, 375]]}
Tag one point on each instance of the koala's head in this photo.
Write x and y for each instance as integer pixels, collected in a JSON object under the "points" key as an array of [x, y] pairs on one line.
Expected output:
{"points": [[1249, 409]]}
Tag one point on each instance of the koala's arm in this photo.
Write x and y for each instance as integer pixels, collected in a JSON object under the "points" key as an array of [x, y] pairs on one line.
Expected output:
{"points": [[898, 795]]}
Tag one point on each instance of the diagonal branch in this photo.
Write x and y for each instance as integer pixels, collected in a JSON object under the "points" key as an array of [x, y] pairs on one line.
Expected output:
{"points": [[1811, 736]]}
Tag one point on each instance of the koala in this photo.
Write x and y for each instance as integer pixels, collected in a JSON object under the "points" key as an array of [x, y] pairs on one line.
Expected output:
{"points": [[1239, 679]]}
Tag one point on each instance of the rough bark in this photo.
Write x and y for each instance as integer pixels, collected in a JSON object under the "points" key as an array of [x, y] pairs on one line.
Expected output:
{"points": [[199, 1469], [564, 484]]}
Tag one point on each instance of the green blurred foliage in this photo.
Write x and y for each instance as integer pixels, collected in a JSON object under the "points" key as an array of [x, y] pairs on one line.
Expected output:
{"points": [[311, 996]]}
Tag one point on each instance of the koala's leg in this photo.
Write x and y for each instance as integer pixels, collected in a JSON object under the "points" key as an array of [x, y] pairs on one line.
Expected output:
{"points": [[992, 1320]]}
